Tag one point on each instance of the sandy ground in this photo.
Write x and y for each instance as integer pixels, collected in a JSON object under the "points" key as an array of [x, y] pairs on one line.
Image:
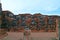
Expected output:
{"points": [[35, 36]]}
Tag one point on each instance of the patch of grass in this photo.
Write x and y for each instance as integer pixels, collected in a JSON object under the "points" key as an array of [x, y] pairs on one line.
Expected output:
{"points": [[54, 39]]}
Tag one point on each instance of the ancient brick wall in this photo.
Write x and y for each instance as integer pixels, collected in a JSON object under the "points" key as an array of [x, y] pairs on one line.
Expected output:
{"points": [[36, 22]]}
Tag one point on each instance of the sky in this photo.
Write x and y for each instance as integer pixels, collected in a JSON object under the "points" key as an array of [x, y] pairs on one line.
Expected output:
{"points": [[45, 7]]}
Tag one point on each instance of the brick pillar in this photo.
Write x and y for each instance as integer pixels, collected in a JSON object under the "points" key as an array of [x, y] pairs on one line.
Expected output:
{"points": [[57, 31], [27, 35]]}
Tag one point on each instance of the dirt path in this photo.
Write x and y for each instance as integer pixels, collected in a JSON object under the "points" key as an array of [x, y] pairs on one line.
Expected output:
{"points": [[18, 35]]}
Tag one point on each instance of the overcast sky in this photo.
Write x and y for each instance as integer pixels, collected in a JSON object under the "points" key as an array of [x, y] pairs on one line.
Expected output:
{"points": [[46, 7]]}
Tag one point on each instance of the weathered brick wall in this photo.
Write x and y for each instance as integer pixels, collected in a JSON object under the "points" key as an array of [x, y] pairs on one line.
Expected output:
{"points": [[36, 22]]}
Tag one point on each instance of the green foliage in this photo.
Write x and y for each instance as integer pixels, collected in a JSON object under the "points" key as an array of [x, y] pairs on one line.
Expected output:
{"points": [[4, 26], [59, 24]]}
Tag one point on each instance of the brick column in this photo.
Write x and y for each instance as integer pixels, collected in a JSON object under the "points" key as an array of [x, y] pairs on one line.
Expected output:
{"points": [[57, 30]]}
